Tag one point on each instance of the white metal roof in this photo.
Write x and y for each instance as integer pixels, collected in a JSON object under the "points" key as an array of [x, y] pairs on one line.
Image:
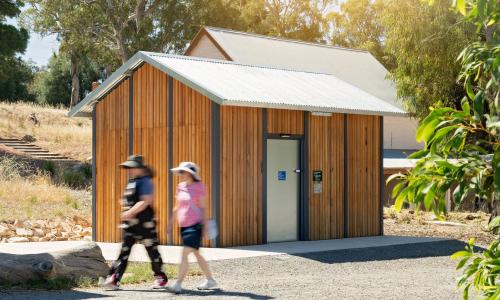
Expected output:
{"points": [[357, 67], [229, 83]]}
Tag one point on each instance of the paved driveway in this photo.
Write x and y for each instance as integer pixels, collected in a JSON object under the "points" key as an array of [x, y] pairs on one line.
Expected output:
{"points": [[414, 271]]}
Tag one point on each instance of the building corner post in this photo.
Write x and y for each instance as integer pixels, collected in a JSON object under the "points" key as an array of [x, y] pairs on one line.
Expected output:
{"points": [[382, 179], [94, 173], [346, 178], [170, 147], [216, 156]]}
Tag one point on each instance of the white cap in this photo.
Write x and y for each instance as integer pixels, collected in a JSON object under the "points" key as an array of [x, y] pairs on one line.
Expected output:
{"points": [[189, 167]]}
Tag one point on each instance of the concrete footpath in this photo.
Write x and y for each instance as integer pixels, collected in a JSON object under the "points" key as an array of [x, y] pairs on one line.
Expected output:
{"points": [[171, 254]]}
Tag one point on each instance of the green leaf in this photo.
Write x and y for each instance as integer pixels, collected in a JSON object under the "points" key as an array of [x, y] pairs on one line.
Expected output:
{"points": [[479, 105], [398, 204], [461, 7], [465, 105], [396, 189], [419, 154], [461, 253], [427, 130], [429, 196]]}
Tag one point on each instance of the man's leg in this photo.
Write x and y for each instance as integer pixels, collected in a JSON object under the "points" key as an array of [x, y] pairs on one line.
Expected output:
{"points": [[118, 267], [151, 244]]}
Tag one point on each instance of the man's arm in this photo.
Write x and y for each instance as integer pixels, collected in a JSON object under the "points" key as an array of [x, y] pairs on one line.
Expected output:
{"points": [[145, 201]]}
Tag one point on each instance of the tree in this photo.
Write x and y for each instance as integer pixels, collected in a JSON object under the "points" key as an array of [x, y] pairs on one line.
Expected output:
{"points": [[425, 42], [462, 146], [358, 25], [52, 85], [294, 19], [14, 73]]}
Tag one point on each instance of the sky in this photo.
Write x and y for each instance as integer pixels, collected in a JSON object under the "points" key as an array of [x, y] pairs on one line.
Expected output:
{"points": [[39, 48]]}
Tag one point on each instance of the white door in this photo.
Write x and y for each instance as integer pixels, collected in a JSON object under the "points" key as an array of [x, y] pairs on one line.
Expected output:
{"points": [[282, 190]]}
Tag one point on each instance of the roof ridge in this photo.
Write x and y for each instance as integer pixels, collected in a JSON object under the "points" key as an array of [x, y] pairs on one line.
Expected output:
{"points": [[284, 39], [228, 62]]}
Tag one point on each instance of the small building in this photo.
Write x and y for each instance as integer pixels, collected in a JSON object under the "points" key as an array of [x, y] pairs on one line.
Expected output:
{"points": [[286, 154], [357, 67]]}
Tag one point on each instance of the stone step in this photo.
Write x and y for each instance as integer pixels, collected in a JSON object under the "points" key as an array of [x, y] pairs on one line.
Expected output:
{"points": [[32, 150]]}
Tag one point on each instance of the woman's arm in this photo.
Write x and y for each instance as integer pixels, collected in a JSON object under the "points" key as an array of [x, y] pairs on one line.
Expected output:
{"points": [[204, 211]]}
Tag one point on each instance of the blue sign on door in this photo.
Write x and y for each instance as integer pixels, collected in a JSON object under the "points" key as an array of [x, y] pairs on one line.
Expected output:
{"points": [[281, 175]]}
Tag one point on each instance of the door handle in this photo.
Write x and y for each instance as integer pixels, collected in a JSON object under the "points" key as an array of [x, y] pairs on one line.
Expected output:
{"points": [[297, 171]]}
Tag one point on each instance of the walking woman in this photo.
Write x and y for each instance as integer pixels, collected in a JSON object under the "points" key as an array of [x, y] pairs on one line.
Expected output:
{"points": [[191, 214], [138, 223]]}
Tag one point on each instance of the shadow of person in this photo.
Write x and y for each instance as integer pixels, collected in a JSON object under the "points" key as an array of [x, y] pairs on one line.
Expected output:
{"points": [[213, 292]]}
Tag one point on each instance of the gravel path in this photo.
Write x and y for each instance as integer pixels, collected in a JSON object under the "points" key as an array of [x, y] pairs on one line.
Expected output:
{"points": [[419, 271]]}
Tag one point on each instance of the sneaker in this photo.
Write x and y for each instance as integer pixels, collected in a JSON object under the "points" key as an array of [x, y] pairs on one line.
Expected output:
{"points": [[207, 284], [110, 284], [160, 282], [175, 288]]}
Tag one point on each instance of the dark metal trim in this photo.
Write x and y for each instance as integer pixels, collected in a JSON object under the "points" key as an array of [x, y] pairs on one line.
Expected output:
{"points": [[216, 167], [382, 179], [284, 136], [94, 173], [304, 208], [170, 146], [131, 116], [346, 177], [264, 176]]}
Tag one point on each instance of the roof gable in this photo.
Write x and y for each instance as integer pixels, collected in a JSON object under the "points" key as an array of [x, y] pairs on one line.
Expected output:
{"points": [[357, 67]]}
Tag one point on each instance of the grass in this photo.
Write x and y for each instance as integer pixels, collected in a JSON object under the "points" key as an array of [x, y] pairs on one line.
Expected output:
{"points": [[136, 273], [28, 195], [56, 132]]}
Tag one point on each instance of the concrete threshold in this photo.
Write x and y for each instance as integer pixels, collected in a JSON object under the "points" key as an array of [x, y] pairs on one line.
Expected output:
{"points": [[172, 254]]}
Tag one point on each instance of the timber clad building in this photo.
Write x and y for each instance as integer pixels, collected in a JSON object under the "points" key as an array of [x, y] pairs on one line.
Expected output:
{"points": [[286, 154]]}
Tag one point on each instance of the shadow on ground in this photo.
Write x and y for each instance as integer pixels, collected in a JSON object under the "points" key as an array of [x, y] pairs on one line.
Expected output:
{"points": [[406, 251], [52, 295], [213, 293]]}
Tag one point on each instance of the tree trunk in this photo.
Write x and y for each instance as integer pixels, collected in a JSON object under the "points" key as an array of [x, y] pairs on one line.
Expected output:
{"points": [[75, 82], [122, 51], [81, 261]]}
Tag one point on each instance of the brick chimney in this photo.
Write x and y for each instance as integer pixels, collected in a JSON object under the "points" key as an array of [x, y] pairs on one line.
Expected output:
{"points": [[95, 84]]}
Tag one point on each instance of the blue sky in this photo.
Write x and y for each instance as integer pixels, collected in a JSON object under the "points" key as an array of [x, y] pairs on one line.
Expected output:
{"points": [[39, 48]]}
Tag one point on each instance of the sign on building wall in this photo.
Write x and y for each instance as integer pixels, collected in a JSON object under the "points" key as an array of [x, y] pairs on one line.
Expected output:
{"points": [[317, 181]]}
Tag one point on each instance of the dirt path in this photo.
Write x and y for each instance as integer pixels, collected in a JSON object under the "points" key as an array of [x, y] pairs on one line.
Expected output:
{"points": [[407, 272]]}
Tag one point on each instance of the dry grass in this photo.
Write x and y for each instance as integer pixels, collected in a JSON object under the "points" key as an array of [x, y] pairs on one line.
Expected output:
{"points": [[56, 132], [36, 196]]}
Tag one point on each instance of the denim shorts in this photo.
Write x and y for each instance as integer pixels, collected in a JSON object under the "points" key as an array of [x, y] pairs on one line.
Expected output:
{"points": [[191, 236]]}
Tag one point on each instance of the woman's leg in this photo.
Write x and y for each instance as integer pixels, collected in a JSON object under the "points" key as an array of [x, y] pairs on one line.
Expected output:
{"points": [[203, 264], [183, 268]]}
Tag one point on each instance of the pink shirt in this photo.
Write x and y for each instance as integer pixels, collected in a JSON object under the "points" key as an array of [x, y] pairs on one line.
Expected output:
{"points": [[188, 199]]}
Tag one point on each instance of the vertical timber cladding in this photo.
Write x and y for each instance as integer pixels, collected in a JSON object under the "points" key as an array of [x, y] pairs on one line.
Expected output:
{"points": [[192, 138], [241, 176], [283, 121], [150, 134], [326, 154], [363, 175], [111, 149]]}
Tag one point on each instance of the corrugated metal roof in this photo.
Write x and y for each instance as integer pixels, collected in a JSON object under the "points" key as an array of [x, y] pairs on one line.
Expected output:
{"points": [[357, 67], [229, 83]]}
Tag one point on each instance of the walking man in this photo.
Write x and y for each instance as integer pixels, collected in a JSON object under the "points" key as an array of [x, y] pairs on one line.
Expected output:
{"points": [[138, 223]]}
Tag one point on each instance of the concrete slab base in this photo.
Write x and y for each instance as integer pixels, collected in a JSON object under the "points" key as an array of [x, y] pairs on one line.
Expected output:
{"points": [[172, 254]]}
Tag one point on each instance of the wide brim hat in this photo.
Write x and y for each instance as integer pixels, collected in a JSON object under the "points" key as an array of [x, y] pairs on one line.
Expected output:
{"points": [[134, 162], [188, 167]]}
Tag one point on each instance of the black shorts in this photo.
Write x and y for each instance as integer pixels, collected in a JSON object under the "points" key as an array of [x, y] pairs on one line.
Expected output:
{"points": [[191, 236]]}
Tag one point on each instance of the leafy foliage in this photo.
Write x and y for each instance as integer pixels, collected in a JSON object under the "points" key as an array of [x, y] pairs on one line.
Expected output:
{"points": [[358, 25], [483, 269], [425, 42], [53, 84], [14, 73], [462, 146]]}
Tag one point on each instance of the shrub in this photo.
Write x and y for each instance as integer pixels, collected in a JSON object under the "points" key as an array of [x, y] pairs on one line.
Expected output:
{"points": [[49, 167], [74, 178]]}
